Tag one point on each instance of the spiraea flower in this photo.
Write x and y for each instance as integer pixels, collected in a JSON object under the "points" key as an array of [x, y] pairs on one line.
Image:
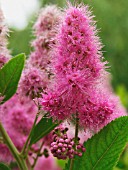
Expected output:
{"points": [[77, 63], [45, 32], [99, 109], [38, 74], [78, 52], [20, 115], [41, 56], [78, 68], [47, 20], [5, 155], [33, 82]]}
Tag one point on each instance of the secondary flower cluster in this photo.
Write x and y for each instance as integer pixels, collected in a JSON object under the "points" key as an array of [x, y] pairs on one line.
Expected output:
{"points": [[44, 32], [20, 114], [78, 68], [77, 63], [37, 75], [63, 147], [33, 82]]}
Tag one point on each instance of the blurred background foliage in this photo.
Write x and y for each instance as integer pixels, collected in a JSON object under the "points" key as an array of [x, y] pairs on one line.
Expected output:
{"points": [[112, 17]]}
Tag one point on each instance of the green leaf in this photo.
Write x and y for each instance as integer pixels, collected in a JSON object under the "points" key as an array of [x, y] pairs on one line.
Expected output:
{"points": [[10, 75], [4, 167], [61, 163], [103, 149], [44, 127]]}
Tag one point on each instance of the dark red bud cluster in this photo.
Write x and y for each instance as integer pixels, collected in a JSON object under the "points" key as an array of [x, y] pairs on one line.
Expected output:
{"points": [[63, 147]]}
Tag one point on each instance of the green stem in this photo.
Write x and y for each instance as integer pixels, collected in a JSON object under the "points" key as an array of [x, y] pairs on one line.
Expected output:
{"points": [[38, 153], [75, 140], [21, 163], [29, 136]]}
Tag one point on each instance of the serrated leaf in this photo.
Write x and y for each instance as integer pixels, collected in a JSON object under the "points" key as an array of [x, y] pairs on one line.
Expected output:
{"points": [[10, 75], [44, 127], [103, 149], [4, 167]]}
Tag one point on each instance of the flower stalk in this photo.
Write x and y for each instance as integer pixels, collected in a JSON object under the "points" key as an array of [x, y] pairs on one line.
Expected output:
{"points": [[21, 163], [37, 156], [75, 139], [26, 148]]}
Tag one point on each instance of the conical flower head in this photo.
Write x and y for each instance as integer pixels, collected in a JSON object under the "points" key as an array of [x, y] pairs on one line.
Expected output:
{"points": [[45, 31], [77, 60], [47, 19], [79, 49]]}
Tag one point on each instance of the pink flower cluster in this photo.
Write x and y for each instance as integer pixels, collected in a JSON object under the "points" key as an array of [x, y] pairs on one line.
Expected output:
{"points": [[47, 20], [33, 82], [37, 75], [45, 32], [78, 68], [17, 117], [101, 107]]}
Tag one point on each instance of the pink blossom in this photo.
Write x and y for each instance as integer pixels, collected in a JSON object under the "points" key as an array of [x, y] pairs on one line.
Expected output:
{"points": [[40, 57], [5, 155], [47, 20], [45, 32], [20, 114], [33, 82], [101, 107], [77, 63], [56, 105], [96, 111], [80, 74], [78, 50]]}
